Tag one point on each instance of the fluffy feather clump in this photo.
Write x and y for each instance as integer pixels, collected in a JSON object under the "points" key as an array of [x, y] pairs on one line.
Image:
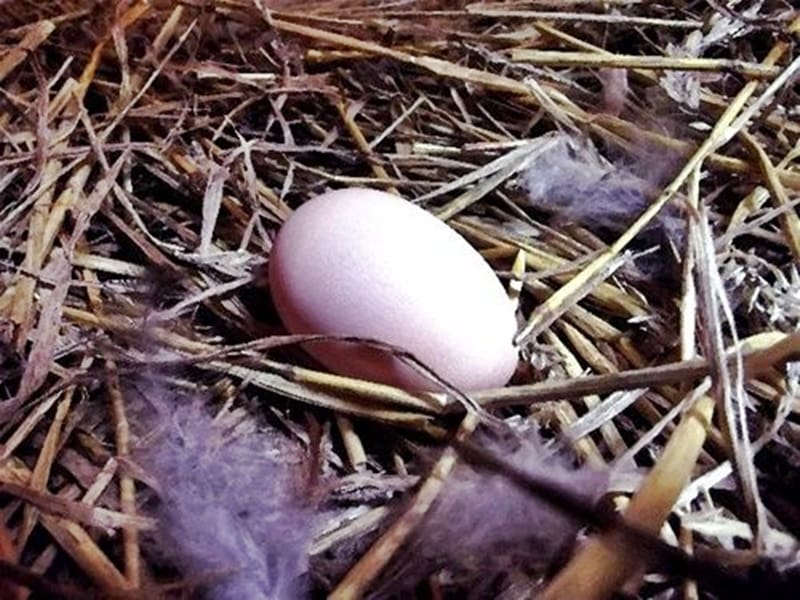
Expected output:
{"points": [[482, 525], [573, 182], [228, 510]]}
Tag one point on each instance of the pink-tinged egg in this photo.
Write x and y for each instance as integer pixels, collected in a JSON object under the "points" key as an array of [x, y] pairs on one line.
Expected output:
{"points": [[359, 262]]}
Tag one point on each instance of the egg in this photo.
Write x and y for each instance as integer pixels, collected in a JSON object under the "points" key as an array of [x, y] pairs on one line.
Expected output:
{"points": [[364, 263]]}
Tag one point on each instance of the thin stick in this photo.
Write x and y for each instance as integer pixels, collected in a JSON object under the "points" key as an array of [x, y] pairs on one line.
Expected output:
{"points": [[127, 486], [554, 58]]}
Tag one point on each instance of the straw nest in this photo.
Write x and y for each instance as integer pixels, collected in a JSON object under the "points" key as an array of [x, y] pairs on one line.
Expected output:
{"points": [[150, 150]]}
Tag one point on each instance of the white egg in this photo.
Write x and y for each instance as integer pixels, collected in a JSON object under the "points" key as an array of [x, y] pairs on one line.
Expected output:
{"points": [[359, 262]]}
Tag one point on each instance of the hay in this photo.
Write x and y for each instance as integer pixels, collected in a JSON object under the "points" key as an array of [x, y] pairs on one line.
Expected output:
{"points": [[150, 150]]}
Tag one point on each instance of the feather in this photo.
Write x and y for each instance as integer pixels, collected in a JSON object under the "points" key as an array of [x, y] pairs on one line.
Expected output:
{"points": [[227, 501], [573, 182], [482, 525]]}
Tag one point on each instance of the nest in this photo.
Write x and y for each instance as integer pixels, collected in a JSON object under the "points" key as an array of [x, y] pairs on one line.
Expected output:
{"points": [[629, 169]]}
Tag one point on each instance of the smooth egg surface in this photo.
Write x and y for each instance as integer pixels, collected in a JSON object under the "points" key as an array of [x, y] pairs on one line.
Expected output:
{"points": [[364, 263]]}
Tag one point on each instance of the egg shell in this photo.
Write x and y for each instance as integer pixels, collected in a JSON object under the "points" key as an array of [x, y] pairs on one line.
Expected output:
{"points": [[359, 262]]}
